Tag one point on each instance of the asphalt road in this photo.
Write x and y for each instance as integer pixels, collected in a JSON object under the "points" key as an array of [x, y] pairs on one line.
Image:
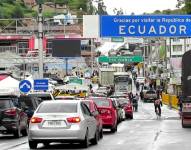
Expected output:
{"points": [[144, 132]]}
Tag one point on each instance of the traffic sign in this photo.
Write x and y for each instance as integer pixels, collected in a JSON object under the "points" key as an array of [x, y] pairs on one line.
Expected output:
{"points": [[117, 39], [145, 26], [75, 80], [41, 84], [120, 59], [25, 86]]}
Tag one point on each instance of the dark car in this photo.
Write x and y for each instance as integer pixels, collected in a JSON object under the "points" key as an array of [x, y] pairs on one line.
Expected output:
{"points": [[94, 110], [13, 119], [30, 104]]}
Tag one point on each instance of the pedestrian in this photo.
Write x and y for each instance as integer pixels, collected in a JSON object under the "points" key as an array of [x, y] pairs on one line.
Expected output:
{"points": [[135, 102], [137, 86]]}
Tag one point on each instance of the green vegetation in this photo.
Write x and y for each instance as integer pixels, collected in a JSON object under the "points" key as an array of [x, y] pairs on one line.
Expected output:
{"points": [[14, 9], [17, 9]]}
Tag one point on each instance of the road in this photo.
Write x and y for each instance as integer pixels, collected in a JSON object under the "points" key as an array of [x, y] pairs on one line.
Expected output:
{"points": [[144, 132]]}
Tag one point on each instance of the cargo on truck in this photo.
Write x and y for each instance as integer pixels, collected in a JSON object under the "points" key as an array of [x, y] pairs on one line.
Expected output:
{"points": [[106, 76]]}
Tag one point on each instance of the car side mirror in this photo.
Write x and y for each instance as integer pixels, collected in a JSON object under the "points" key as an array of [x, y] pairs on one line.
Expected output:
{"points": [[95, 113]]}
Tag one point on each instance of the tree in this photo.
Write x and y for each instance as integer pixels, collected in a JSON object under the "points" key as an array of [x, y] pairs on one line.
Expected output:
{"points": [[17, 12], [185, 4]]}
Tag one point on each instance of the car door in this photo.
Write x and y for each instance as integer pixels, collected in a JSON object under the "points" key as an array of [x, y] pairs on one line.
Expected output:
{"points": [[91, 121]]}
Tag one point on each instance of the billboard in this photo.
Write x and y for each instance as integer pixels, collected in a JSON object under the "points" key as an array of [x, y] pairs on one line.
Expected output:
{"points": [[66, 48], [145, 26]]}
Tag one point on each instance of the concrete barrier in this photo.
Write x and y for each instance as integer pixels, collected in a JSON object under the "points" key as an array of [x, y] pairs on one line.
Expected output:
{"points": [[170, 100], [165, 98]]}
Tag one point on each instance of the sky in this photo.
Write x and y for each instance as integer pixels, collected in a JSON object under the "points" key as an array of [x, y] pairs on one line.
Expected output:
{"points": [[139, 6]]}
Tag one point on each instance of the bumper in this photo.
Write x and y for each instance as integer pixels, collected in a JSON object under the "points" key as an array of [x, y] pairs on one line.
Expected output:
{"points": [[57, 134], [108, 122], [8, 126]]}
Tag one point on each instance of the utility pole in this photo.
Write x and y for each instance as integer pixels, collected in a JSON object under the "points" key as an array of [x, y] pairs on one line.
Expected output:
{"points": [[40, 38]]}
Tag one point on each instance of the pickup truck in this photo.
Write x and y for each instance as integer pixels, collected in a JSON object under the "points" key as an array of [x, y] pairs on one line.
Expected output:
{"points": [[150, 95]]}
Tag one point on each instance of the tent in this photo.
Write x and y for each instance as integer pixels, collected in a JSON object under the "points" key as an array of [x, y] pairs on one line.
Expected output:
{"points": [[9, 82], [9, 85], [73, 86]]}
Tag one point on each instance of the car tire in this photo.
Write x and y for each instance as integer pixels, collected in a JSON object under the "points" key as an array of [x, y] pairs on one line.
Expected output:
{"points": [[131, 117], [114, 129], [183, 125], [96, 138], [101, 134], [46, 144], [24, 132], [85, 142], [17, 132], [33, 144]]}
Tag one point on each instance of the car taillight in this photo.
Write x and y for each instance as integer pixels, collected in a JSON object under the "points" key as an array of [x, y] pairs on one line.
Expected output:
{"points": [[36, 120], [74, 120], [11, 112], [105, 111]]}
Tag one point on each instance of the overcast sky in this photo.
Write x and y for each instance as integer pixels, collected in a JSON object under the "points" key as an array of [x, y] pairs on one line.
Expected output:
{"points": [[139, 6]]}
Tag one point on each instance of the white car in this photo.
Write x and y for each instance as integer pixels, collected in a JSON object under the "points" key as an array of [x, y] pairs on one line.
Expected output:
{"points": [[62, 121]]}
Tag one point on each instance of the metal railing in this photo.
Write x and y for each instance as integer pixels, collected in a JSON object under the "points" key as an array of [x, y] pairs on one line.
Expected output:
{"points": [[51, 26]]}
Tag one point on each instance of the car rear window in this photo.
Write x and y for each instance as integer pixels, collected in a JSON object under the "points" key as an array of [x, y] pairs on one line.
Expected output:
{"points": [[58, 108], [4, 104], [151, 92], [101, 102], [43, 97], [122, 101]]}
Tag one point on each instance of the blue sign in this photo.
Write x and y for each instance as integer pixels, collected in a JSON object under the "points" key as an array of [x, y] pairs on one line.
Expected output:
{"points": [[41, 84], [25, 86], [145, 26]]}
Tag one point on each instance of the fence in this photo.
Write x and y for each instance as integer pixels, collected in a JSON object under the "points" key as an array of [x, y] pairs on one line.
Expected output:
{"points": [[51, 26]]}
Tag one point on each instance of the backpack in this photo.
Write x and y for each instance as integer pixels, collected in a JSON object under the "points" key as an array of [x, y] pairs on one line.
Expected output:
{"points": [[157, 102]]}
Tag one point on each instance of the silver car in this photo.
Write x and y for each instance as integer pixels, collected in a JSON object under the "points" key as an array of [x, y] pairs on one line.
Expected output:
{"points": [[62, 121]]}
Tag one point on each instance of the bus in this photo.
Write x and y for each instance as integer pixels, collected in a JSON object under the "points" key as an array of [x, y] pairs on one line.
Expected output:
{"points": [[122, 82]]}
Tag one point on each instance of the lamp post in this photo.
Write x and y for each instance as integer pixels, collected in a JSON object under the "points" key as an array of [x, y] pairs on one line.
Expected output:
{"points": [[40, 37]]}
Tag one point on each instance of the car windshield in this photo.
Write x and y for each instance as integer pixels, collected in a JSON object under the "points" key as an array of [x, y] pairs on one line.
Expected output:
{"points": [[42, 96], [122, 101], [101, 102], [150, 92], [4, 104], [58, 108]]}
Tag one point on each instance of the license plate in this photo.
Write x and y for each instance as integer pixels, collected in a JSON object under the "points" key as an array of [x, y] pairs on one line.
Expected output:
{"points": [[54, 124]]}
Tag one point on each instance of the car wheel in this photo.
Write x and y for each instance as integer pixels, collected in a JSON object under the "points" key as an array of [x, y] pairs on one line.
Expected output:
{"points": [[46, 144], [183, 125], [131, 117], [114, 129], [101, 134], [24, 132], [85, 142], [96, 138], [33, 144], [17, 132]]}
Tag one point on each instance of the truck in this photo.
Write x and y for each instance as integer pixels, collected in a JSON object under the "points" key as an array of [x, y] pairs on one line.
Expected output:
{"points": [[106, 76], [186, 90], [122, 82]]}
